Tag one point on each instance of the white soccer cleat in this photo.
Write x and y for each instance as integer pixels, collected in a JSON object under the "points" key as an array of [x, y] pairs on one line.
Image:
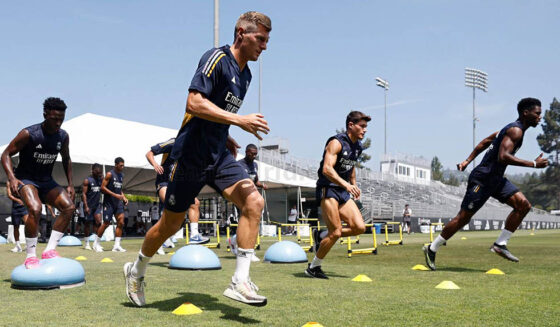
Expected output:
{"points": [[97, 248], [16, 249], [254, 258], [118, 249], [160, 251], [134, 286], [87, 247], [245, 292]]}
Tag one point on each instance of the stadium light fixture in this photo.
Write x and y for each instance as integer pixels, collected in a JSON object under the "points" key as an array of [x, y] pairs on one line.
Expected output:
{"points": [[476, 79], [385, 85]]}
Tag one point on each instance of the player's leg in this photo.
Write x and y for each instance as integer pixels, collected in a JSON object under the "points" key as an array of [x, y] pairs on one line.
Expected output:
{"points": [[30, 196], [119, 231], [245, 196], [168, 243], [194, 216], [107, 215], [87, 226], [16, 222], [351, 215], [59, 199]]}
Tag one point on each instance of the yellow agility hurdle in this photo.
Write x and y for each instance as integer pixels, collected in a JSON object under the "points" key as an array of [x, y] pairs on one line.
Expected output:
{"points": [[349, 239], [216, 230], [372, 250], [307, 240], [257, 245], [308, 221], [387, 242], [432, 228]]}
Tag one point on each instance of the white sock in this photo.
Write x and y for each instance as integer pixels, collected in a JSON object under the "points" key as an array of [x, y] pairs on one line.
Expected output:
{"points": [[53, 240], [18, 244], [504, 237], [242, 265], [86, 239], [96, 241], [316, 262], [140, 265], [194, 229], [117, 242], [324, 234], [437, 243], [31, 249]]}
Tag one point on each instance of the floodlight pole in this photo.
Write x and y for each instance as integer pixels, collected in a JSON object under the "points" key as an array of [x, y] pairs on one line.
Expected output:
{"points": [[216, 23], [385, 85], [473, 124], [477, 80]]}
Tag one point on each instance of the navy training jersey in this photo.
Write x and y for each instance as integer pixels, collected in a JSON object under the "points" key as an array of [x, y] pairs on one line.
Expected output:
{"points": [[36, 159], [164, 148], [93, 194], [114, 185], [251, 169], [346, 159], [200, 142], [490, 167]]}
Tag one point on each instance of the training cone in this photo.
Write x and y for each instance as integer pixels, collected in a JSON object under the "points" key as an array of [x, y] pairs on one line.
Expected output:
{"points": [[532, 234], [106, 260], [80, 258], [186, 309], [420, 267], [171, 253], [361, 278], [448, 285], [495, 271], [312, 324], [463, 238]]}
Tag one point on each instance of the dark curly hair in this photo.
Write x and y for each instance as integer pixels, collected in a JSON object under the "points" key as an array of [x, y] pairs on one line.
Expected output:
{"points": [[54, 104], [527, 104]]}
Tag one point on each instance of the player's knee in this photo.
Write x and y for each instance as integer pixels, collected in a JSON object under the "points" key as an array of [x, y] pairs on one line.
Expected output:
{"points": [[336, 233], [254, 205], [69, 209], [525, 206], [360, 229], [35, 212]]}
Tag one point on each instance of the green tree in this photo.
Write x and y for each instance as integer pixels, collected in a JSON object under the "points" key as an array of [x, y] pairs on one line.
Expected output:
{"points": [[366, 144], [437, 173], [549, 140], [452, 180]]}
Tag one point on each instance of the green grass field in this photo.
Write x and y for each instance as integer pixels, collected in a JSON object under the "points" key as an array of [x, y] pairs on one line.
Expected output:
{"points": [[528, 295]]}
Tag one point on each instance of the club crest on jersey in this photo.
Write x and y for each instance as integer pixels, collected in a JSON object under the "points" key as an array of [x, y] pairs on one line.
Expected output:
{"points": [[171, 200], [58, 146], [233, 79]]}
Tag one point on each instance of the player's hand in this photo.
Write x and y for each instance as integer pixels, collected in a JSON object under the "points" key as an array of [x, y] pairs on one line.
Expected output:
{"points": [[124, 199], [86, 209], [264, 187], [461, 166], [353, 190], [158, 169], [254, 123], [541, 162], [15, 184], [71, 192], [232, 146]]}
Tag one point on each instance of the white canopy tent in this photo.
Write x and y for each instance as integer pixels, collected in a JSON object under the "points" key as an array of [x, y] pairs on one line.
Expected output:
{"points": [[100, 139]]}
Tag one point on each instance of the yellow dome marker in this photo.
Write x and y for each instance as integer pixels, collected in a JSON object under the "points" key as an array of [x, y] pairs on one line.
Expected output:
{"points": [[361, 278], [81, 258], [420, 267], [463, 238], [448, 285], [187, 309], [171, 253], [312, 324], [106, 260], [495, 271]]}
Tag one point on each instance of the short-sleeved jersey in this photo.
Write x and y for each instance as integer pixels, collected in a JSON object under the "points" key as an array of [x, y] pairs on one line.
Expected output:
{"points": [[200, 142], [93, 194], [164, 148], [36, 159], [346, 159], [251, 169], [490, 168], [114, 185]]}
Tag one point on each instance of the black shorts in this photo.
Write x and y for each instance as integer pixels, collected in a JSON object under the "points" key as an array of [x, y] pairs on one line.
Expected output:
{"points": [[110, 209], [43, 188], [478, 193], [407, 222], [18, 212], [186, 180], [92, 212], [335, 192]]}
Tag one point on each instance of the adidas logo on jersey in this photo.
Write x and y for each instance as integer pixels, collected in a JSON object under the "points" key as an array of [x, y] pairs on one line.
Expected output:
{"points": [[38, 147], [233, 79]]}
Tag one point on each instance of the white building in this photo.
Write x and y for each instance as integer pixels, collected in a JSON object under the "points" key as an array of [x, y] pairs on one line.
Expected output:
{"points": [[407, 168]]}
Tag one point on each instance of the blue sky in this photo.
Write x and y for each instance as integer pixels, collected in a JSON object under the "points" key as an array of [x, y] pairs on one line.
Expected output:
{"points": [[135, 59]]}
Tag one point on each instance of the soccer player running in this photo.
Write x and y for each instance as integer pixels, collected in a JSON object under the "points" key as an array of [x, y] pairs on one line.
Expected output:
{"points": [[201, 152], [91, 196], [38, 147], [162, 180], [487, 180], [19, 214], [113, 204], [335, 186], [248, 163]]}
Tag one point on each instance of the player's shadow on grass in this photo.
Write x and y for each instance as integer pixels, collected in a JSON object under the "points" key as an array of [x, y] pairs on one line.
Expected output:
{"points": [[461, 269], [160, 264], [303, 275], [205, 302]]}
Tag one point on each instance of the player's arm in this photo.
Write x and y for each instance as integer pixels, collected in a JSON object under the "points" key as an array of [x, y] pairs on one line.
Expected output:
{"points": [[353, 182], [104, 188], [85, 187], [124, 199], [152, 161], [483, 145], [505, 156], [199, 106], [259, 184], [15, 146], [11, 195], [333, 148], [232, 146], [50, 209], [67, 165]]}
